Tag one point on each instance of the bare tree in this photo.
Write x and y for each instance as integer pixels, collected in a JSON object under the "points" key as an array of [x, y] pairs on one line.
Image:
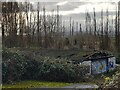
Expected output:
{"points": [[102, 36], [70, 26], [94, 22], [106, 32], [44, 27]]}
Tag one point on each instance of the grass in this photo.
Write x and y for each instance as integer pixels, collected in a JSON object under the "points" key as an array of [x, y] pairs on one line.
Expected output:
{"points": [[44, 84], [39, 84], [35, 84]]}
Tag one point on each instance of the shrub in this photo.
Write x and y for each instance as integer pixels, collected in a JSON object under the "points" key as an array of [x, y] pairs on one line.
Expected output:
{"points": [[13, 66], [19, 67], [117, 55], [114, 82]]}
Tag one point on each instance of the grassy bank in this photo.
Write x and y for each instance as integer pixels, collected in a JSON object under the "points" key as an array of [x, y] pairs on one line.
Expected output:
{"points": [[35, 84], [40, 84]]}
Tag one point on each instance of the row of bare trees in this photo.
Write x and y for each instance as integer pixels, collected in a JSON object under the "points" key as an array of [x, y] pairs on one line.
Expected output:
{"points": [[117, 28], [22, 26]]}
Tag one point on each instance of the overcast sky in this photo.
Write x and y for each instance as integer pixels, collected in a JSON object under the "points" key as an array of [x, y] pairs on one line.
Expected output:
{"points": [[77, 8]]}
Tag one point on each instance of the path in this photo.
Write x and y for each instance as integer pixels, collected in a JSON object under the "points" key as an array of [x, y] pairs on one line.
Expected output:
{"points": [[72, 87], [80, 86]]}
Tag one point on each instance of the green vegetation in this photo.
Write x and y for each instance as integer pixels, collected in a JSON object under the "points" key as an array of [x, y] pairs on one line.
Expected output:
{"points": [[31, 68], [117, 55], [17, 67], [114, 81], [41, 84], [35, 84], [47, 48]]}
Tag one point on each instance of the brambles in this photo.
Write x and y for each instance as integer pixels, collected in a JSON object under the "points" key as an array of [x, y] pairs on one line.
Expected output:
{"points": [[18, 67]]}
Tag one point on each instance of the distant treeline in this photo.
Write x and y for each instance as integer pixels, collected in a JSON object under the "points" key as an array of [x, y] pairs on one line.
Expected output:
{"points": [[21, 27]]}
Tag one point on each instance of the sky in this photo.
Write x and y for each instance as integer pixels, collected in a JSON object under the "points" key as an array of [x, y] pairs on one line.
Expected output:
{"points": [[76, 8]]}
